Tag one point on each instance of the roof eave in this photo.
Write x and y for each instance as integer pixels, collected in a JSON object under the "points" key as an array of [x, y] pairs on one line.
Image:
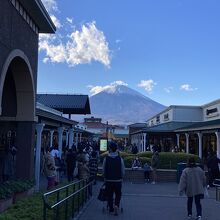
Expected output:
{"points": [[40, 16]]}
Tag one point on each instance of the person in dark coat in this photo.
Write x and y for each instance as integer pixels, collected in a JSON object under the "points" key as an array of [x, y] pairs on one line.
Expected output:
{"points": [[93, 166], [113, 171], [155, 165], [70, 164], [213, 168]]}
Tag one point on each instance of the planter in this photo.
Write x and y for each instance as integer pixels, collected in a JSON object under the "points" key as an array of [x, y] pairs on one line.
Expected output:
{"points": [[5, 204]]}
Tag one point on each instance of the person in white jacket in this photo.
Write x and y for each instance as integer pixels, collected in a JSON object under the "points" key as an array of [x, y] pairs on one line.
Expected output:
{"points": [[192, 183]]}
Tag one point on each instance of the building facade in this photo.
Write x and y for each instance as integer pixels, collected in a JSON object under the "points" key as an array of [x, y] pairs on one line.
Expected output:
{"points": [[192, 129], [21, 23]]}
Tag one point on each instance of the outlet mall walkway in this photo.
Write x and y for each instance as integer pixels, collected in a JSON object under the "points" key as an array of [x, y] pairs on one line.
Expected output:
{"points": [[153, 202]]}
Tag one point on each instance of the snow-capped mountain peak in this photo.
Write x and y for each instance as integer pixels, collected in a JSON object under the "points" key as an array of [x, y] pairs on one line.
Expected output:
{"points": [[120, 104]]}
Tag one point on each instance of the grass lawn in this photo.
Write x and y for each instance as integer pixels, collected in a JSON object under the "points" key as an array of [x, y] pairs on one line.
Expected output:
{"points": [[32, 208]]}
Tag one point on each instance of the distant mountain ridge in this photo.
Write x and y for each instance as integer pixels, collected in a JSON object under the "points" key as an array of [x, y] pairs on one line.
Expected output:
{"points": [[120, 104]]}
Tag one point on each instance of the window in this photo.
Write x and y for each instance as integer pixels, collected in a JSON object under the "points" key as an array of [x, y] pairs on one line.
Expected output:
{"points": [[158, 119], [166, 117], [211, 111]]}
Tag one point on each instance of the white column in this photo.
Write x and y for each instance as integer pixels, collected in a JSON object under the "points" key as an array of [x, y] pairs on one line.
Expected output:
{"points": [[200, 144], [51, 138], [178, 140], [80, 137], [39, 129], [141, 138], [125, 140], [60, 139], [71, 137], [67, 138], [187, 142], [140, 142], [144, 142], [218, 143], [77, 139]]}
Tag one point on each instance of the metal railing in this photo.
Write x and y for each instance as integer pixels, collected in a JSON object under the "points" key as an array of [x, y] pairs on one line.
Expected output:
{"points": [[217, 187], [66, 202]]}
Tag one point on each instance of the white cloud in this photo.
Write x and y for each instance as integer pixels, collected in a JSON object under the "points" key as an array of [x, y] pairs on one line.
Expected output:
{"points": [[187, 88], [50, 5], [119, 83], [70, 20], [110, 88], [168, 89], [81, 46], [118, 41], [55, 21], [148, 85]]}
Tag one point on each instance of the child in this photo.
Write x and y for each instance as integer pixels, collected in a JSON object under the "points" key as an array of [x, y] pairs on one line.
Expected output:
{"points": [[147, 170], [136, 164]]}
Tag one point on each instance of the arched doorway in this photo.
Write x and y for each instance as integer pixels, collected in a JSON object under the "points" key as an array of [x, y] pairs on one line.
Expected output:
{"points": [[17, 111]]}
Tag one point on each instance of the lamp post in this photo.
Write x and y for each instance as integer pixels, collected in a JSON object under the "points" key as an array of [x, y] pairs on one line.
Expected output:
{"points": [[107, 130]]}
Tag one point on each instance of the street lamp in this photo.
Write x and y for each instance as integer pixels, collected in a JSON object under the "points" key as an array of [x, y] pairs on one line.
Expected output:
{"points": [[107, 130]]}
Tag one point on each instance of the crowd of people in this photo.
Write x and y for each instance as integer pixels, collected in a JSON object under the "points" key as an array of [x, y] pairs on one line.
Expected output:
{"points": [[80, 162]]}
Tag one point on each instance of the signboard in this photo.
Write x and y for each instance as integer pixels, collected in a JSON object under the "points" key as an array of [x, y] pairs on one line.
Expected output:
{"points": [[103, 145]]}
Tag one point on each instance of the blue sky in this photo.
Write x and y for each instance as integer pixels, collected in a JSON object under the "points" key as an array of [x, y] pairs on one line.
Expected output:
{"points": [[167, 50]]}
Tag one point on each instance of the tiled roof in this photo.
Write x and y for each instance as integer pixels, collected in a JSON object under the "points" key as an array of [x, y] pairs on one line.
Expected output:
{"points": [[49, 116], [205, 125], [68, 104], [165, 127], [168, 127]]}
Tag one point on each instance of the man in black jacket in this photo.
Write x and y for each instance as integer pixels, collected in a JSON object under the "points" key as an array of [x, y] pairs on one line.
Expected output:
{"points": [[113, 170]]}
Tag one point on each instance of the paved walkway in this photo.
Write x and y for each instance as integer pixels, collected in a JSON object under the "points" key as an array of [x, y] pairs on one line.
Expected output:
{"points": [[153, 202]]}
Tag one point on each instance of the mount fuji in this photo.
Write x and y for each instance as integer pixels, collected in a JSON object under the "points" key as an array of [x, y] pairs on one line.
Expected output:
{"points": [[122, 105]]}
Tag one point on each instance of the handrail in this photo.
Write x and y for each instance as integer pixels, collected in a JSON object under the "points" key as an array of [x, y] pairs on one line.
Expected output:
{"points": [[61, 188], [78, 197], [216, 184], [73, 194]]}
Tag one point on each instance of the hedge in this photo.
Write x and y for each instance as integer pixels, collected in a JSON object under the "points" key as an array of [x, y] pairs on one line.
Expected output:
{"points": [[128, 160], [167, 160]]}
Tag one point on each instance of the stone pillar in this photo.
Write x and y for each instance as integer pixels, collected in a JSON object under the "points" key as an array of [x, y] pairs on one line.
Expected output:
{"points": [[187, 142], [71, 134], [200, 144], [25, 143], [178, 140], [39, 129], [67, 138], [60, 139], [51, 138], [218, 143]]}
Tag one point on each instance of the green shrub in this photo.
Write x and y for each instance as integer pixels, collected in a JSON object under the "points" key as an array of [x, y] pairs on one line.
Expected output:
{"points": [[145, 154], [129, 159], [5, 192], [168, 160], [19, 185], [122, 154]]}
